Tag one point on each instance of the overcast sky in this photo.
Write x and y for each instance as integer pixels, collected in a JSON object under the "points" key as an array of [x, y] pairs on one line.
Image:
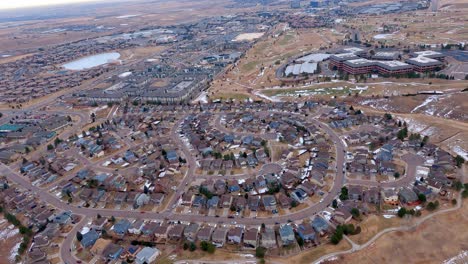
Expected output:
{"points": [[9, 4]]}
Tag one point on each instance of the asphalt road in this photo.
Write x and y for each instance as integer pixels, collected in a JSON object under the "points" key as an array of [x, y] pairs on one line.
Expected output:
{"points": [[44, 195]]}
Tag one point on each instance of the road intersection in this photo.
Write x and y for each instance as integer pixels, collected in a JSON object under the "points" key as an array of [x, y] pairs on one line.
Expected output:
{"points": [[88, 213]]}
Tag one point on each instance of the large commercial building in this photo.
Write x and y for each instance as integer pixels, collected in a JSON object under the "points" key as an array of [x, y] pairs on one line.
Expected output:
{"points": [[386, 55], [364, 66], [354, 61], [337, 60], [358, 66], [424, 64], [181, 90], [393, 67]]}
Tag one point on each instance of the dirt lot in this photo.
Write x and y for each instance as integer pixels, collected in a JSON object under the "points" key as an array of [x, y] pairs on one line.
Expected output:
{"points": [[432, 242]]}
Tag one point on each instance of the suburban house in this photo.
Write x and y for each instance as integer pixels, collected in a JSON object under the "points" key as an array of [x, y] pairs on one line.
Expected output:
{"points": [[147, 255], [286, 233]]}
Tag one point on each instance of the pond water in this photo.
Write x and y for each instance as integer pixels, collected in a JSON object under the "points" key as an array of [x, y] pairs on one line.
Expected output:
{"points": [[91, 61]]}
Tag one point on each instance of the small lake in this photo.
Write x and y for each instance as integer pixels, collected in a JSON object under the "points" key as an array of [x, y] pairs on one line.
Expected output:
{"points": [[91, 61]]}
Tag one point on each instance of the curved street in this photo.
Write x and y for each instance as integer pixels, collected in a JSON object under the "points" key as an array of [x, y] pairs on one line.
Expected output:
{"points": [[339, 182]]}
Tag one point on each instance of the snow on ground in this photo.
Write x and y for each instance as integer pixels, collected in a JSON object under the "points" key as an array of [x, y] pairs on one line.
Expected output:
{"points": [[328, 259], [248, 36], [460, 151], [272, 99], [262, 72], [383, 36], [418, 127], [458, 259], [202, 98], [125, 74], [428, 100], [127, 16], [8, 232], [14, 252], [382, 104]]}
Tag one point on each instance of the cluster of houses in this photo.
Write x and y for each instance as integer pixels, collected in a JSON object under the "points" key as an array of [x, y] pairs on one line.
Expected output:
{"points": [[216, 50], [99, 236], [48, 168], [104, 189], [275, 187], [372, 152], [27, 132], [271, 126], [46, 222], [30, 77], [209, 141], [148, 178]]}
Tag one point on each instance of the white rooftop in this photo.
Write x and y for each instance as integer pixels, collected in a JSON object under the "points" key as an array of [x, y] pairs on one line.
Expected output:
{"points": [[345, 55], [427, 53], [317, 57], [422, 59], [353, 49], [394, 63], [386, 53], [360, 61]]}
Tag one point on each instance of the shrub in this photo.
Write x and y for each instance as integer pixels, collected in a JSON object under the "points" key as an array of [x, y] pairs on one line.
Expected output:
{"points": [[260, 252], [431, 206], [402, 212], [193, 247], [355, 212]]}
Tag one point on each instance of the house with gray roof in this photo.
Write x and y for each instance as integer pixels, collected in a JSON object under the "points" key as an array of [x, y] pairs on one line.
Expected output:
{"points": [[89, 238], [121, 227], [147, 255], [286, 233]]}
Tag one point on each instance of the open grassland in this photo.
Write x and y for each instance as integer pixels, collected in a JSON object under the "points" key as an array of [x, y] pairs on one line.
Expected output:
{"points": [[448, 25], [256, 70], [310, 255], [434, 241]]}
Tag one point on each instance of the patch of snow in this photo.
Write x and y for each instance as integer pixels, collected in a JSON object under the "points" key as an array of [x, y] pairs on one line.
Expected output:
{"points": [[125, 74], [8, 232], [248, 36], [428, 100], [14, 252], [269, 98], [202, 98], [383, 36], [460, 151], [460, 258], [328, 259], [127, 16]]}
